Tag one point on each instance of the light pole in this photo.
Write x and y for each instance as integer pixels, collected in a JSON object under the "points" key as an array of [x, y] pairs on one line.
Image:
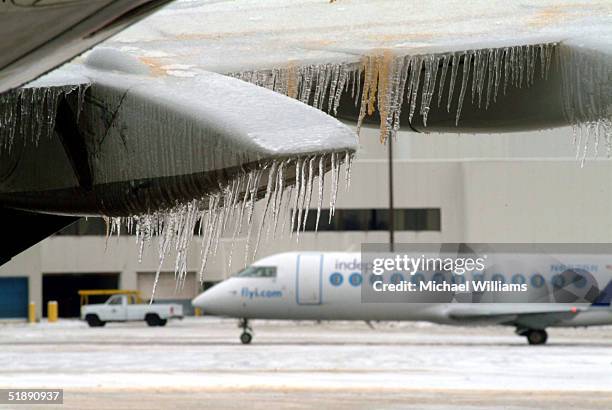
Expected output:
{"points": [[391, 208]]}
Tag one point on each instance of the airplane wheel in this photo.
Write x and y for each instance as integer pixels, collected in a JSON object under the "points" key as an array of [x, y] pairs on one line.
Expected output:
{"points": [[246, 338], [537, 337]]}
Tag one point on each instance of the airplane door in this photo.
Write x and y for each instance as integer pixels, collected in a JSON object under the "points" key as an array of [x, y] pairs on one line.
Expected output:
{"points": [[308, 279]]}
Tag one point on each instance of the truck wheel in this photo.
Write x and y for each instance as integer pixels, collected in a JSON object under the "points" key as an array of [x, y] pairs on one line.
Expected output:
{"points": [[152, 319], [94, 321]]}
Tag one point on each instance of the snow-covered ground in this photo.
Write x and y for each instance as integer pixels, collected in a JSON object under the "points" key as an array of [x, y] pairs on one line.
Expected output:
{"points": [[205, 355]]}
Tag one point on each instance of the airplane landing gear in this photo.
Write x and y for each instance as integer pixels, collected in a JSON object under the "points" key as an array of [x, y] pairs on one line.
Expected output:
{"points": [[246, 338], [534, 336], [247, 332], [537, 337]]}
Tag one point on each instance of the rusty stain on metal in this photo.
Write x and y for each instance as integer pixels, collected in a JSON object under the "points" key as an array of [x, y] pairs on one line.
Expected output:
{"points": [[154, 65], [551, 15]]}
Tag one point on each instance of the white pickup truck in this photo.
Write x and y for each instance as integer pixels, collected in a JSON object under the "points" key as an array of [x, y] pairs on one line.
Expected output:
{"points": [[123, 308]]}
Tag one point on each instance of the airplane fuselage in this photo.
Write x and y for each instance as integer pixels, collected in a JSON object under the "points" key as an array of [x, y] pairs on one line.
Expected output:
{"points": [[327, 286]]}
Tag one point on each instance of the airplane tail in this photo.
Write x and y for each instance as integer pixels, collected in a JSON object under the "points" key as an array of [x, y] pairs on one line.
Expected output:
{"points": [[605, 296]]}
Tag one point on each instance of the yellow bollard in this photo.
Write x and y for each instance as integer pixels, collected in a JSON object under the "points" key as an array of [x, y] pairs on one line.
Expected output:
{"points": [[52, 311], [197, 311], [32, 312]]}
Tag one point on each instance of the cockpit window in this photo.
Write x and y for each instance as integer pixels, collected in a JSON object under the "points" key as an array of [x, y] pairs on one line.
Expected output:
{"points": [[258, 272]]}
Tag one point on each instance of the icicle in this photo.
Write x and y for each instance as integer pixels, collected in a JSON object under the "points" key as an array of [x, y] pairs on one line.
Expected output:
{"points": [[368, 90], [432, 64], [308, 196], [415, 78], [335, 174], [348, 159], [333, 182], [587, 92], [251, 210], [297, 190], [269, 191], [274, 198], [280, 190], [301, 198], [499, 53], [288, 210], [29, 113], [454, 70], [445, 60], [321, 183], [467, 64], [401, 71]]}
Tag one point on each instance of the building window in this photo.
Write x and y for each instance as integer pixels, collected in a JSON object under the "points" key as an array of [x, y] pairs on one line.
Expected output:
{"points": [[409, 219]]}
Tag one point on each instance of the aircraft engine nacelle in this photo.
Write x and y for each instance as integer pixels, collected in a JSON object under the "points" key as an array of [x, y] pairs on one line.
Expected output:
{"points": [[128, 138]]}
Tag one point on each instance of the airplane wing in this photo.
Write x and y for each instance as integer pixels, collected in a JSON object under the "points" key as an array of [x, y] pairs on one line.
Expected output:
{"points": [[530, 315], [170, 149], [38, 35], [526, 315], [478, 66], [111, 136], [171, 154], [481, 66]]}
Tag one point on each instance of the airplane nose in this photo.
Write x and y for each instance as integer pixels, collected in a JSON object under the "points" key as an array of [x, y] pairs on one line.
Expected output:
{"points": [[209, 302], [201, 300]]}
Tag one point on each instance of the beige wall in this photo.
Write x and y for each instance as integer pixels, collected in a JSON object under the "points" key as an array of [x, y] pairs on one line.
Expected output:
{"points": [[538, 201], [167, 286]]}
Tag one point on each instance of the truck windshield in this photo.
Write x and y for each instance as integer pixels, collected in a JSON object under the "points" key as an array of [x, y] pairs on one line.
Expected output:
{"points": [[115, 300], [258, 272]]}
